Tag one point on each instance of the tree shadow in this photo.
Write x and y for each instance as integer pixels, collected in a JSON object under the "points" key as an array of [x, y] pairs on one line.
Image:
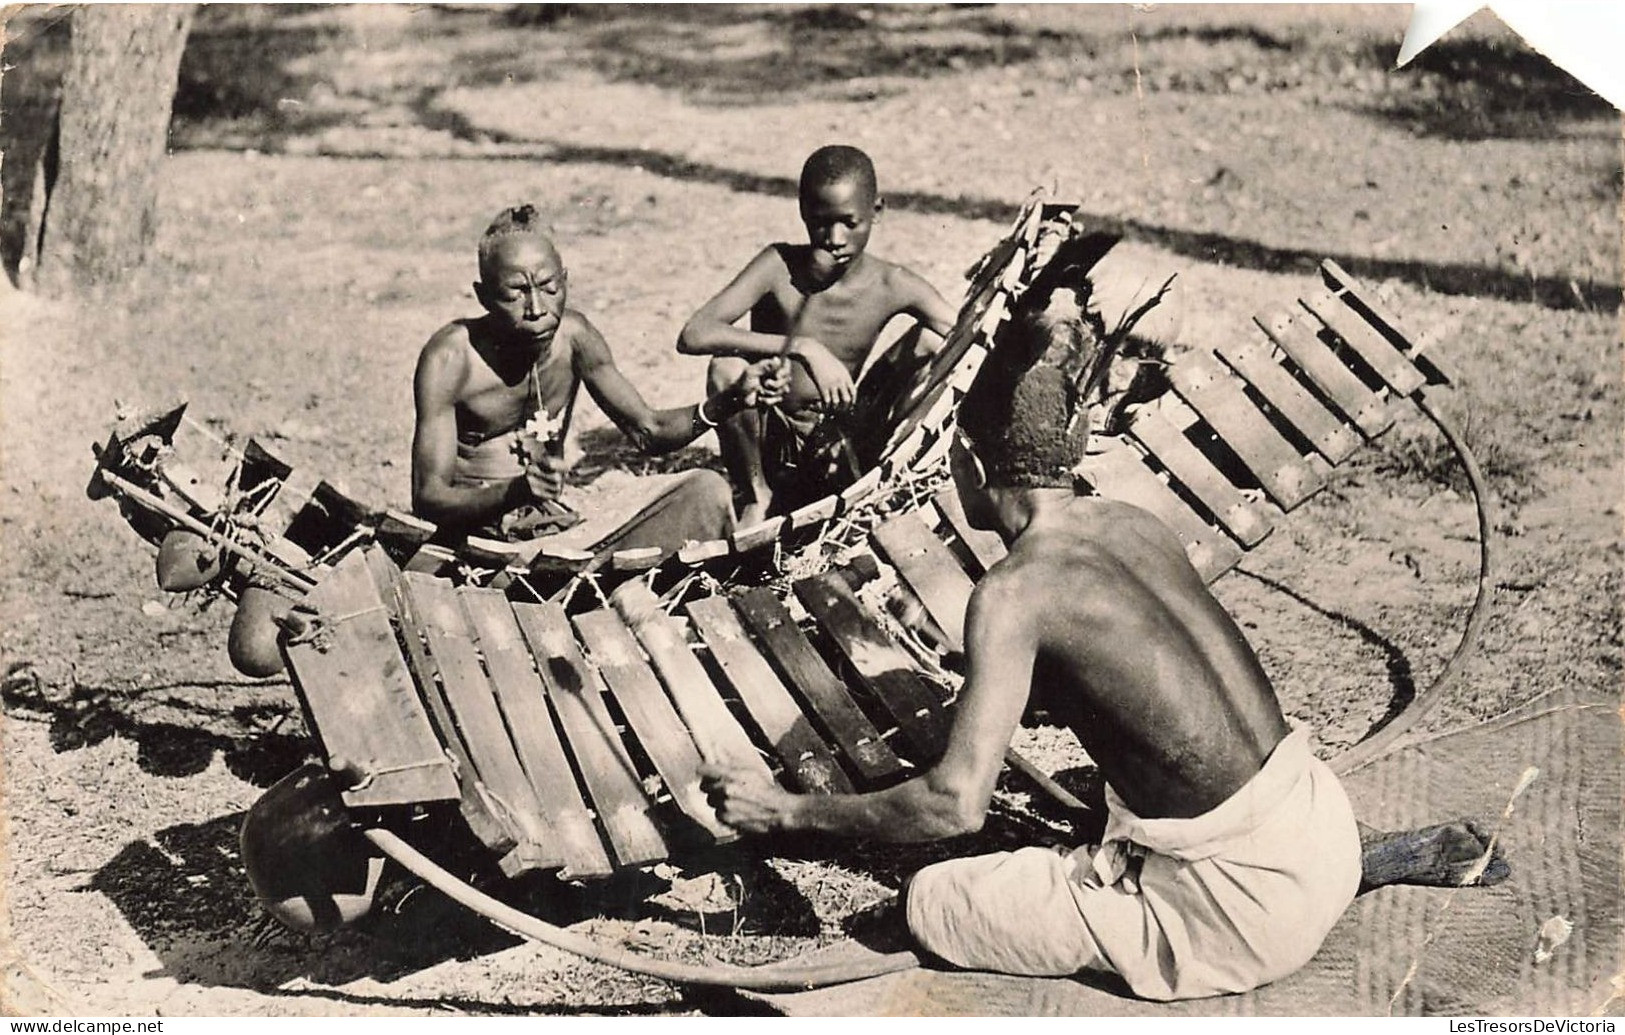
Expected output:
{"points": [[1474, 88], [260, 739], [242, 68], [722, 54], [248, 67], [1551, 291]]}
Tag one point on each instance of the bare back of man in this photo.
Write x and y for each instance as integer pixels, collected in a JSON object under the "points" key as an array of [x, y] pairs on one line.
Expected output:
{"points": [[1183, 720]]}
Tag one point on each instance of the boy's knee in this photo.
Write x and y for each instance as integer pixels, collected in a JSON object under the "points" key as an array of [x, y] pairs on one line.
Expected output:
{"points": [[723, 371]]}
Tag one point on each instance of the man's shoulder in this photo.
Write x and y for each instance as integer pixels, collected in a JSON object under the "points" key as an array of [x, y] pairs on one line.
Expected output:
{"points": [[448, 348], [581, 336]]}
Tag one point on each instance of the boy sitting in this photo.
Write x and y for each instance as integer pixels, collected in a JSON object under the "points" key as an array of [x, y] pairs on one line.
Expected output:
{"points": [[823, 304]]}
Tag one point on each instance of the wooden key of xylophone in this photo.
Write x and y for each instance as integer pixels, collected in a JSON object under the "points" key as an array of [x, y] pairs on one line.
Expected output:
{"points": [[808, 762]]}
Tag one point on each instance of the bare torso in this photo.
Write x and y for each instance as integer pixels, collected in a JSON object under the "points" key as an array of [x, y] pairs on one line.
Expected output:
{"points": [[501, 387], [1137, 657], [847, 317]]}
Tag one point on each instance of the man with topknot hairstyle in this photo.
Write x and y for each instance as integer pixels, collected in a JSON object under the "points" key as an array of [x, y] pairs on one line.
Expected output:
{"points": [[1229, 850], [494, 394]]}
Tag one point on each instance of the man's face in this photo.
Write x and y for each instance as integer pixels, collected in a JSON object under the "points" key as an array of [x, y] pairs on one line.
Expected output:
{"points": [[971, 484], [839, 216], [523, 287]]}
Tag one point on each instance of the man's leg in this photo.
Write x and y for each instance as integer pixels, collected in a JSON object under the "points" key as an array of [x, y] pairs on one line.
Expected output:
{"points": [[739, 439], [1020, 913], [1448, 855], [699, 507]]}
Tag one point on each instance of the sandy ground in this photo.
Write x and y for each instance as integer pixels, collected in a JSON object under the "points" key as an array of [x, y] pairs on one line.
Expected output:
{"points": [[306, 250]]}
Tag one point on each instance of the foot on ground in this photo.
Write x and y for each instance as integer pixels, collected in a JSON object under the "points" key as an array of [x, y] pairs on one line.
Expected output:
{"points": [[1448, 855]]}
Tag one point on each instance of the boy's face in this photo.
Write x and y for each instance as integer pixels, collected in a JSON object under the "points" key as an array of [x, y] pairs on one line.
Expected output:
{"points": [[839, 216], [523, 287]]}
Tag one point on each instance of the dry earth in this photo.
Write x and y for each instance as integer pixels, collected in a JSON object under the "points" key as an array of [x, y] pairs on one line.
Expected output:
{"points": [[332, 169]]}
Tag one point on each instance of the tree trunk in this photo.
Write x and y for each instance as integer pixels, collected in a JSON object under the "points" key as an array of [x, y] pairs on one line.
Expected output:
{"points": [[114, 125]]}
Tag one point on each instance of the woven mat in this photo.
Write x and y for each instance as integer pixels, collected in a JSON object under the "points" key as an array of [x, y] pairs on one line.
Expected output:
{"points": [[1400, 950]]}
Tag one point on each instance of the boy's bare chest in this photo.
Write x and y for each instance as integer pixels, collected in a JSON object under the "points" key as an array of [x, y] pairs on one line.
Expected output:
{"points": [[843, 318]]}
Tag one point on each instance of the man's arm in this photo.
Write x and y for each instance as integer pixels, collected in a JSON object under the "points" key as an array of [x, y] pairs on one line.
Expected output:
{"points": [[661, 431], [949, 799], [439, 377], [712, 330]]}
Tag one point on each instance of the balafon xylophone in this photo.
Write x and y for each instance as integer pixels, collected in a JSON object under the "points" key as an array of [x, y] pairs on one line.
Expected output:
{"points": [[567, 733], [570, 741]]}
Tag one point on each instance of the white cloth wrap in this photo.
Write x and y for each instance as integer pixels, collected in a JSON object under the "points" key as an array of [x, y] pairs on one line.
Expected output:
{"points": [[1226, 901]]}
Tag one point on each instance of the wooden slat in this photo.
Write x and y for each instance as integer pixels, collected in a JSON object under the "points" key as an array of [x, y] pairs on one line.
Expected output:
{"points": [[1397, 372], [636, 558], [350, 674], [431, 559], [192, 486], [860, 489], [1219, 398], [606, 768], [649, 711], [901, 456], [1334, 439], [261, 465], [807, 674], [289, 500], [403, 533], [519, 693], [163, 422], [1342, 388], [1365, 301], [201, 465], [814, 513], [985, 547], [935, 450], [386, 578], [716, 733], [1240, 517], [493, 831], [930, 570], [433, 609], [758, 535], [698, 553], [1118, 474], [808, 762], [328, 518], [884, 667]]}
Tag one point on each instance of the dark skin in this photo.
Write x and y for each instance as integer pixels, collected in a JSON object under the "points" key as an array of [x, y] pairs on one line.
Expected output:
{"points": [[829, 297], [1153, 677], [473, 380]]}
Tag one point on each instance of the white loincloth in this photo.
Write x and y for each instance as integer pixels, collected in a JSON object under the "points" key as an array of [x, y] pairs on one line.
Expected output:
{"points": [[1181, 908]]}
